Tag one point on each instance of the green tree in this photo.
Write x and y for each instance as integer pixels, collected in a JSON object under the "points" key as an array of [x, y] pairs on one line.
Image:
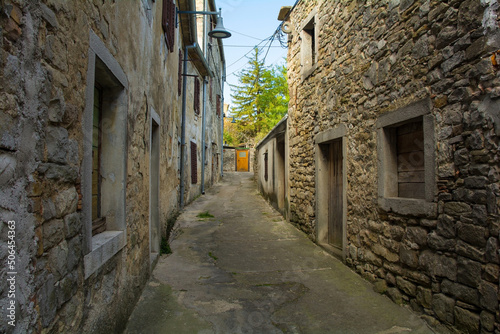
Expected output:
{"points": [[260, 99]]}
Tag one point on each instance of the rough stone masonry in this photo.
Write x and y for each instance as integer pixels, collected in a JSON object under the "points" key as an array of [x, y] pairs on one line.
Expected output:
{"points": [[375, 66]]}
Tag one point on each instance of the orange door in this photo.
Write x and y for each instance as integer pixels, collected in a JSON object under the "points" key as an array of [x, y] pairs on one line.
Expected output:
{"points": [[242, 160]]}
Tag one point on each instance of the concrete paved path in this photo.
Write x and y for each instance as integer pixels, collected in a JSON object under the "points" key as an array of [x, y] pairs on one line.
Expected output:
{"points": [[247, 271]]}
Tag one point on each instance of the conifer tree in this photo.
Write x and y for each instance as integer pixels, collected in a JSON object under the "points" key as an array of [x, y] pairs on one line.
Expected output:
{"points": [[260, 99]]}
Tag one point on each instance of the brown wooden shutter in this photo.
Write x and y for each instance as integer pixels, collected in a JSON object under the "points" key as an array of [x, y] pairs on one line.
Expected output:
{"points": [[179, 81], [194, 164], [196, 95], [168, 22], [410, 157], [218, 105], [266, 168]]}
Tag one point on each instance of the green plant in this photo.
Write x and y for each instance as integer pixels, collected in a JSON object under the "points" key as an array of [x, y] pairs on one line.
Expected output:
{"points": [[212, 256], [165, 247], [205, 214]]}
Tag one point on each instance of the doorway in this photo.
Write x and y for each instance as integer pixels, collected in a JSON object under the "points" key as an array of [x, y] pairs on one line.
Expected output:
{"points": [[335, 200], [331, 181], [242, 160], [154, 191]]}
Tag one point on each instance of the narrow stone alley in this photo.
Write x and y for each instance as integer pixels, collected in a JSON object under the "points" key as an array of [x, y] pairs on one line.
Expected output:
{"points": [[246, 270]]}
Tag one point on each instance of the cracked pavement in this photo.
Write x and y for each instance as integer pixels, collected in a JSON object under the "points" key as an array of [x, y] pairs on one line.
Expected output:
{"points": [[246, 270]]}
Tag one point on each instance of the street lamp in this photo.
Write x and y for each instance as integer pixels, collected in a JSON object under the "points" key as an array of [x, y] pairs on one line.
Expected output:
{"points": [[219, 31]]}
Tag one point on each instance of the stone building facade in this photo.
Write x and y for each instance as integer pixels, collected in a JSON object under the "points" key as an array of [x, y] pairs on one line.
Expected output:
{"points": [[270, 166], [91, 101], [393, 134]]}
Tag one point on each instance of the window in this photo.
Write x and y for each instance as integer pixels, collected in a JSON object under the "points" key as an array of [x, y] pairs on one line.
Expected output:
{"points": [[309, 47], [409, 141], [194, 164], [104, 157], [168, 23], [196, 96], [406, 167]]}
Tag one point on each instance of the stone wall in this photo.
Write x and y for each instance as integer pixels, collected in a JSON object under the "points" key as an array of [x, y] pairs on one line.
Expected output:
{"points": [[47, 70], [374, 58]]}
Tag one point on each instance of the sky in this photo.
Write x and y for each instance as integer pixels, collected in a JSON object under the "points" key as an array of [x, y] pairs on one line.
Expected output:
{"points": [[250, 22]]}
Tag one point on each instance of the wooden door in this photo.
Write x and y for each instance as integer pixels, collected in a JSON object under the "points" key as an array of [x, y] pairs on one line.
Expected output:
{"points": [[242, 160], [335, 201]]}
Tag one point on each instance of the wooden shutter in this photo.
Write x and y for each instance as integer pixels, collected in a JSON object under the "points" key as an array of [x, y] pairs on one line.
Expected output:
{"points": [[266, 168], [168, 23], [179, 81], [98, 222], [194, 164], [218, 105], [410, 157], [196, 95]]}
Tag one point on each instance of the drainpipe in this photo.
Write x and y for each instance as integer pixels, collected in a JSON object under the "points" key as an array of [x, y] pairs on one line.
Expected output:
{"points": [[222, 119], [203, 115], [183, 123]]}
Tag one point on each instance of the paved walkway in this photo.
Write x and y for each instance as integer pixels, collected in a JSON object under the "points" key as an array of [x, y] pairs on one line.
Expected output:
{"points": [[247, 271]]}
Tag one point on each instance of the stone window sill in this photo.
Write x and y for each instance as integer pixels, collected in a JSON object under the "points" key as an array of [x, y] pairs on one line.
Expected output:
{"points": [[104, 246], [307, 71], [408, 206]]}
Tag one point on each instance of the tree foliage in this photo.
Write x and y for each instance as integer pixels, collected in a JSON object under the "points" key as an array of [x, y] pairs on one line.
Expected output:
{"points": [[260, 100]]}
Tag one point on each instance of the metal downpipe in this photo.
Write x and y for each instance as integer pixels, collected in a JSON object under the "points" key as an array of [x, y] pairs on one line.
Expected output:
{"points": [[183, 124]]}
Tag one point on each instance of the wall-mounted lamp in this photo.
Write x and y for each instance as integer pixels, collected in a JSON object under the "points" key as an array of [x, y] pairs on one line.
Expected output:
{"points": [[218, 32]]}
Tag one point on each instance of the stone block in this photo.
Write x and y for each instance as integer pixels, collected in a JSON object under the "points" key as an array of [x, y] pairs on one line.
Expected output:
{"points": [[66, 202], [8, 131], [72, 225], [491, 251], [8, 165], [48, 209], [74, 252], [456, 208], [47, 300], [416, 235], [439, 243], [408, 256], [469, 251], [468, 272], [424, 297], [66, 288], [487, 321], [57, 144], [461, 292], [395, 295], [406, 286], [57, 260], [446, 226], [438, 265], [443, 307], [488, 296], [61, 173], [466, 321], [52, 233], [380, 286], [49, 16], [385, 253], [472, 234]]}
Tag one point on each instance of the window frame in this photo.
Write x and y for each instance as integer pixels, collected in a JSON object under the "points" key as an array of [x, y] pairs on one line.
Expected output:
{"points": [[309, 49], [387, 163], [104, 69]]}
